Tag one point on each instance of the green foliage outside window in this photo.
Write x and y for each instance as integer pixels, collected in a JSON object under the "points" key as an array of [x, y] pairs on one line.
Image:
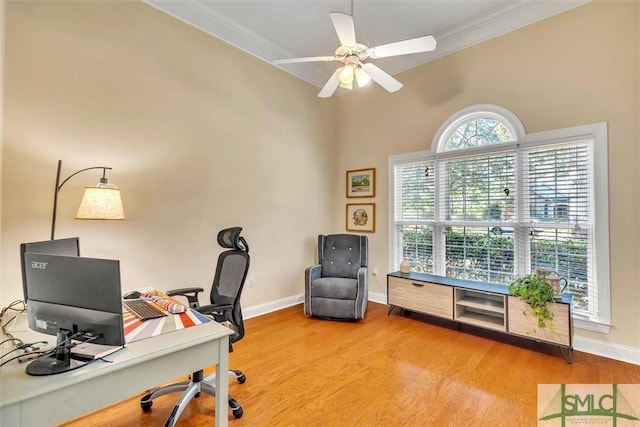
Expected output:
{"points": [[482, 256], [489, 257], [418, 248], [478, 132]]}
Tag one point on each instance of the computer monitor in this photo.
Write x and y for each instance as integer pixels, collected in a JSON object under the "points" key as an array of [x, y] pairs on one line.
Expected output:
{"points": [[67, 247], [72, 298]]}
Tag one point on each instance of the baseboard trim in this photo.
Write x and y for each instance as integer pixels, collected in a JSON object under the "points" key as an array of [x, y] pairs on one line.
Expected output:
{"points": [[268, 307], [619, 352], [588, 345], [378, 297]]}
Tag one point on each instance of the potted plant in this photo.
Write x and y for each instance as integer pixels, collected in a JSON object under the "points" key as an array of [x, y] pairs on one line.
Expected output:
{"points": [[538, 293]]}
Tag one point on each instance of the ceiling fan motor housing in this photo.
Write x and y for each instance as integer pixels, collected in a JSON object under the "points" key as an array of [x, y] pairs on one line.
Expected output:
{"points": [[358, 50], [352, 61]]}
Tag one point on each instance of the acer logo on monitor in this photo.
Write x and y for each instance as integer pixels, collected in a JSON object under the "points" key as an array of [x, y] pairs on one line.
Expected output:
{"points": [[39, 264]]}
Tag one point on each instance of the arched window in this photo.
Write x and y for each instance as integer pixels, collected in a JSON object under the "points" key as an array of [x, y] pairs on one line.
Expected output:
{"points": [[491, 203], [478, 125]]}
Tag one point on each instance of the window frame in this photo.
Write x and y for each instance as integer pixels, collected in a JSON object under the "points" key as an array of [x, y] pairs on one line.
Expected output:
{"points": [[596, 132]]}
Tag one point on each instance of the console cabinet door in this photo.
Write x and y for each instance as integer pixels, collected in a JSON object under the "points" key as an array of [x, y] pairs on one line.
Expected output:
{"points": [[423, 297], [523, 322]]}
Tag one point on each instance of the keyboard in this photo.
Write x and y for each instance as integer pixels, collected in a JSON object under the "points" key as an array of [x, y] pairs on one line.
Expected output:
{"points": [[143, 310]]}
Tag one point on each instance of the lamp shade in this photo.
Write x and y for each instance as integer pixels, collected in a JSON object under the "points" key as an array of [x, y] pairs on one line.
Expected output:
{"points": [[101, 202]]}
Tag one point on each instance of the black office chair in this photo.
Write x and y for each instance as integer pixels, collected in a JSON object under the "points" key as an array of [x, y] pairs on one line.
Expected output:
{"points": [[228, 282]]}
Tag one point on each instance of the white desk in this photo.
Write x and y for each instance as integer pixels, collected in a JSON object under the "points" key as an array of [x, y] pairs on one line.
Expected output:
{"points": [[42, 401]]}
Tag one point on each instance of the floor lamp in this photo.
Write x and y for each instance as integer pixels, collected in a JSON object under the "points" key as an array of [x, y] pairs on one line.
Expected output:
{"points": [[100, 202]]}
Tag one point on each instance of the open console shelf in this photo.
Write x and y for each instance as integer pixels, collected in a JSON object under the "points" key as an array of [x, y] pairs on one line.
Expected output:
{"points": [[478, 308], [484, 305]]}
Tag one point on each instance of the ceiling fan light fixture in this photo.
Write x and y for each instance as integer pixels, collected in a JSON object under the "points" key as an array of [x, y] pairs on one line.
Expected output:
{"points": [[346, 85], [346, 75], [362, 78]]}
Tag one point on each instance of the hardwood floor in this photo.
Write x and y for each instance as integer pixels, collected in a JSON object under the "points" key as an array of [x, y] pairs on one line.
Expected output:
{"points": [[383, 371]]}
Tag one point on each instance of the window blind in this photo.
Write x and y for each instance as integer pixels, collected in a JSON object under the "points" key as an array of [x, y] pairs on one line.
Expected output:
{"points": [[557, 213], [478, 212], [414, 213]]}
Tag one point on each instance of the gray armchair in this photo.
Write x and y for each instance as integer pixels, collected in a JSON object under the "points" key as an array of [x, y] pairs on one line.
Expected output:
{"points": [[337, 286]]}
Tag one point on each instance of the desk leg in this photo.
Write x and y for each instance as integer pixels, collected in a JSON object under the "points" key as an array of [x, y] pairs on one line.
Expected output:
{"points": [[222, 384]]}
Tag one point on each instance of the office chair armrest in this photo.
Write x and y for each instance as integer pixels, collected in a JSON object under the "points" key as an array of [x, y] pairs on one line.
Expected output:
{"points": [[219, 312], [191, 294], [215, 308]]}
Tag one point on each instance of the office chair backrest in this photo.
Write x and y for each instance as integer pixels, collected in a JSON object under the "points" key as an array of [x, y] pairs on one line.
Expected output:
{"points": [[341, 255], [230, 276]]}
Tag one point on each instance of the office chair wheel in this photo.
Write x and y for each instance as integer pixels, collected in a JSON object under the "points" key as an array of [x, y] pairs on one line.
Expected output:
{"points": [[146, 405], [241, 377], [236, 409]]}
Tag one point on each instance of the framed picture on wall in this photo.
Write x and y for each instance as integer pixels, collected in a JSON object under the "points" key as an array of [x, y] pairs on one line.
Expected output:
{"points": [[361, 183], [361, 217]]}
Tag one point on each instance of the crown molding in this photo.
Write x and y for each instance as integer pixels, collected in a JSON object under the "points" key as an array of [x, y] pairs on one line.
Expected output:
{"points": [[518, 15]]}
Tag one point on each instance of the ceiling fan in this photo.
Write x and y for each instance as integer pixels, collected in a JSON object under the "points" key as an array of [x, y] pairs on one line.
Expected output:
{"points": [[353, 56]]}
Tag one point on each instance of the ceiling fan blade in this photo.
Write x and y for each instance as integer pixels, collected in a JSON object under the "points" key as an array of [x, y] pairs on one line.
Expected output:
{"points": [[343, 24], [307, 59], [331, 85], [420, 44], [382, 78]]}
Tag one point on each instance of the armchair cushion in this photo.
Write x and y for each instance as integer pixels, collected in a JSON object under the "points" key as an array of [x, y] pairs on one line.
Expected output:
{"points": [[335, 287], [341, 255]]}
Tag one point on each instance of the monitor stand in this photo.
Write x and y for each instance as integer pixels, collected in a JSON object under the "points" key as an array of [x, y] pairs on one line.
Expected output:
{"points": [[58, 361]]}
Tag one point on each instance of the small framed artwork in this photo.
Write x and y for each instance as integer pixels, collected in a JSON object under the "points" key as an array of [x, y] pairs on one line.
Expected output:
{"points": [[361, 217], [361, 183]]}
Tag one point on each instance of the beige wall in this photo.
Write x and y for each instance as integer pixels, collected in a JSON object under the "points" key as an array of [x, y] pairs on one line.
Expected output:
{"points": [[200, 136], [577, 68]]}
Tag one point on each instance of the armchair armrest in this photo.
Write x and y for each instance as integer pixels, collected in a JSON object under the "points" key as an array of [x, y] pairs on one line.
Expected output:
{"points": [[362, 275], [312, 273], [363, 292], [191, 294]]}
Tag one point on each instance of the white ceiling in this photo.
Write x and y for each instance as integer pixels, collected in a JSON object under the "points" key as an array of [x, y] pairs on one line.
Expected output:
{"points": [[277, 29]]}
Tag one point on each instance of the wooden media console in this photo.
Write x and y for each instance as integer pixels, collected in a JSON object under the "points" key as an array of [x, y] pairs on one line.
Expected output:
{"points": [[484, 305]]}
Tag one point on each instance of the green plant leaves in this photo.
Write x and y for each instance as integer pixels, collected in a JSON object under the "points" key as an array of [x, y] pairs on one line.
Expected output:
{"points": [[537, 293]]}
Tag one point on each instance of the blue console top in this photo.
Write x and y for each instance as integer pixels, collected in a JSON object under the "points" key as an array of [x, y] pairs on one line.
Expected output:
{"points": [[467, 284]]}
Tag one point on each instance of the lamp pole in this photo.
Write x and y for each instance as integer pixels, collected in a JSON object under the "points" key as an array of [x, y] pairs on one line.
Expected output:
{"points": [[59, 186]]}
